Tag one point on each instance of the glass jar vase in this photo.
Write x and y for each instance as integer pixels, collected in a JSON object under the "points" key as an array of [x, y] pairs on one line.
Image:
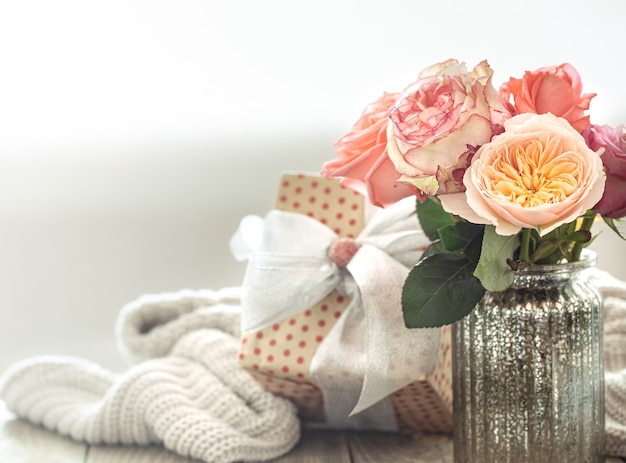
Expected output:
{"points": [[528, 370]]}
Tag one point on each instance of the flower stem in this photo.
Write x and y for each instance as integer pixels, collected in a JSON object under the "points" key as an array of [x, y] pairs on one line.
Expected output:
{"points": [[588, 219], [524, 255]]}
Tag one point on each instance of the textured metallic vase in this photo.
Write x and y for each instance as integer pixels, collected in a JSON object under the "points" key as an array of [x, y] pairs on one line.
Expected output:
{"points": [[529, 373]]}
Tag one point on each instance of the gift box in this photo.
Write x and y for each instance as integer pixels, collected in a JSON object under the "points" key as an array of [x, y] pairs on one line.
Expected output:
{"points": [[328, 334]]}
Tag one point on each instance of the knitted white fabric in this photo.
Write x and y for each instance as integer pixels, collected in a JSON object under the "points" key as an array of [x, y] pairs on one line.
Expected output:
{"points": [[193, 398], [149, 327], [190, 394], [614, 293]]}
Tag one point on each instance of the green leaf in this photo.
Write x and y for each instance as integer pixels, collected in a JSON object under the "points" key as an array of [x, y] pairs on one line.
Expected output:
{"points": [[553, 250], [435, 248], [440, 290], [473, 249], [580, 236], [492, 270], [432, 217], [617, 225], [458, 236], [451, 239], [544, 250]]}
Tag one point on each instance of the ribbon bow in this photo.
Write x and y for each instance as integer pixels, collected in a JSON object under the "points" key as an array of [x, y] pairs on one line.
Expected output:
{"points": [[290, 268]]}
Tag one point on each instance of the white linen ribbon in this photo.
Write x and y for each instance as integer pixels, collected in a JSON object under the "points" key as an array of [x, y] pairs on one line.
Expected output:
{"points": [[290, 270]]}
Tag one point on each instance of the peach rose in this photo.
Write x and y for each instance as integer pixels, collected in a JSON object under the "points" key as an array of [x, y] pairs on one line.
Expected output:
{"points": [[554, 89], [538, 174], [438, 123], [362, 158]]}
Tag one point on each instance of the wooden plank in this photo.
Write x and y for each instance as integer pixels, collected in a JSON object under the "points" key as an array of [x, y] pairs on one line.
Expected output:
{"points": [[319, 446], [22, 442], [315, 446], [400, 448], [133, 454]]}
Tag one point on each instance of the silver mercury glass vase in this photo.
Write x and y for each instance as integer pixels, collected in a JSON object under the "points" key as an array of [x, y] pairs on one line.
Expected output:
{"points": [[528, 370]]}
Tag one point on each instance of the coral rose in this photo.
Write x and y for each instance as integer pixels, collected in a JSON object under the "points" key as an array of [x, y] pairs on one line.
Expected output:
{"points": [[538, 174], [438, 123], [553, 89], [613, 140], [362, 158]]}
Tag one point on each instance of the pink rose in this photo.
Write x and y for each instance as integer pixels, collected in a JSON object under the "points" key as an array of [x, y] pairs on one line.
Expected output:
{"points": [[554, 89], [538, 174], [613, 140], [362, 158], [439, 121]]}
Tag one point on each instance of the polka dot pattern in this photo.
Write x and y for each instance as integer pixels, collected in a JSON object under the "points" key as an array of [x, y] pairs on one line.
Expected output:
{"points": [[324, 199], [286, 348], [305, 396], [279, 355]]}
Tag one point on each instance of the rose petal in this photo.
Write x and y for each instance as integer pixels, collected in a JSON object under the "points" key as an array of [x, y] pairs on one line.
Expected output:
{"points": [[538, 174]]}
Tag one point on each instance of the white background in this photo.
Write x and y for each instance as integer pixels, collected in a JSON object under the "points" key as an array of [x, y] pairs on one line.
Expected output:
{"points": [[134, 135]]}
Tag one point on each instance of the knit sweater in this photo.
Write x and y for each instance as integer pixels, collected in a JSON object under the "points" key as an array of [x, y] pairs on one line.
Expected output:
{"points": [[614, 293], [188, 392]]}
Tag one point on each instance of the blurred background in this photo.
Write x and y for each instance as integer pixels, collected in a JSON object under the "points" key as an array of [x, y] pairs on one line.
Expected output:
{"points": [[134, 135]]}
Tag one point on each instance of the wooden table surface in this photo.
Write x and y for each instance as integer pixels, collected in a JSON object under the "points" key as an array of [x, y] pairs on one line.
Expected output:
{"points": [[21, 442]]}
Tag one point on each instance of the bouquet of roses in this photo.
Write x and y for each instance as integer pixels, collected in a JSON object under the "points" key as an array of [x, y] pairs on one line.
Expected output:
{"points": [[503, 178]]}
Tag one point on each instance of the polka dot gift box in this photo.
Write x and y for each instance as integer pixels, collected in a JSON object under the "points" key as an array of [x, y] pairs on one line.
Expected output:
{"points": [[322, 320]]}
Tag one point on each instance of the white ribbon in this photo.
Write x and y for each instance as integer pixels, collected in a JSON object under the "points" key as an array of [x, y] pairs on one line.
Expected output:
{"points": [[369, 353]]}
